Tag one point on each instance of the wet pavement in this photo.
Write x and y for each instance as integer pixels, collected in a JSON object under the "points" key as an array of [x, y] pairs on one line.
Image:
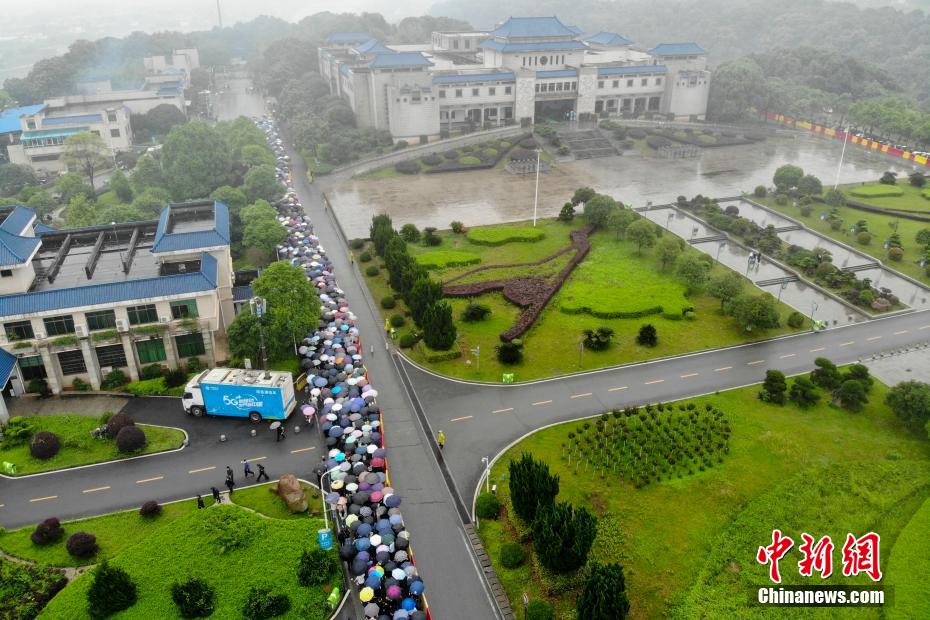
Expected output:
{"points": [[493, 196]]}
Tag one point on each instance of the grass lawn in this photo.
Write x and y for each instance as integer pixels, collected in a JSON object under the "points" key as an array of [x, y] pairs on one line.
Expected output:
{"points": [[907, 567], [261, 499], [902, 195], [24, 590], [879, 225], [614, 274], [440, 259], [688, 544], [230, 548], [79, 448]]}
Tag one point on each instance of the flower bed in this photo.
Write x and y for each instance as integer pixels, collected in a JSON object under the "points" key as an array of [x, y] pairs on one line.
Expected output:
{"points": [[474, 157], [703, 140], [499, 235], [447, 258]]}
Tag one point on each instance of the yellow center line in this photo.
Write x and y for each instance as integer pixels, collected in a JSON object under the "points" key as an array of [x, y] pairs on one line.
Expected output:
{"points": [[197, 471], [303, 449], [846, 344], [95, 490], [616, 389], [786, 355], [143, 481], [655, 381], [755, 362], [690, 374], [542, 402], [817, 349], [580, 395], [903, 331], [873, 338], [464, 417], [257, 458], [503, 410], [722, 369], [43, 499]]}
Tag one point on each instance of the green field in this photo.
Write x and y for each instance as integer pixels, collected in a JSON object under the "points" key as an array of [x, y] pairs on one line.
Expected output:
{"points": [[78, 447], [499, 235], [688, 543], [442, 259], [908, 567], [902, 195], [613, 275]]}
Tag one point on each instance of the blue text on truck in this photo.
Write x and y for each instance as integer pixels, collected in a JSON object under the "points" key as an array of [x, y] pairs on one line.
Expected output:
{"points": [[234, 392]]}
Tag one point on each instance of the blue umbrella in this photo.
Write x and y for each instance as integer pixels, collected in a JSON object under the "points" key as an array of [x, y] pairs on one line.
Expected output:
{"points": [[416, 587], [392, 501], [364, 530], [335, 431], [373, 581], [362, 544], [409, 604]]}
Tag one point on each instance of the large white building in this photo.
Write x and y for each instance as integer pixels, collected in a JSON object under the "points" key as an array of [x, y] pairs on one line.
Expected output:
{"points": [[77, 303], [526, 69]]}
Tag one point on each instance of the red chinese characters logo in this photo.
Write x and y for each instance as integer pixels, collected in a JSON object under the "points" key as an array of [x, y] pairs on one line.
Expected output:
{"points": [[817, 557], [773, 553], [860, 555]]}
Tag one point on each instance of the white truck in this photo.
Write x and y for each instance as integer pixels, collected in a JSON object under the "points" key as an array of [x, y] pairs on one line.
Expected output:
{"points": [[234, 392]]}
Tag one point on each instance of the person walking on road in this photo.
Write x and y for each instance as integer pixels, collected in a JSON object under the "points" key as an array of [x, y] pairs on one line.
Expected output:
{"points": [[216, 495], [261, 473], [230, 483], [247, 468], [200, 502], [229, 474], [279, 436], [441, 439]]}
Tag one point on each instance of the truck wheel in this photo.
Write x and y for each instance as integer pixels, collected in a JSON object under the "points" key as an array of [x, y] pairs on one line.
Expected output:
{"points": [[197, 411], [255, 416]]}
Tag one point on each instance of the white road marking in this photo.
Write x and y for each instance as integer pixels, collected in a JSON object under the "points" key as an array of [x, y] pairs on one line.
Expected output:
{"points": [[144, 480], [924, 327], [655, 381], [43, 499], [303, 449], [95, 490], [874, 338], [786, 355], [690, 374], [464, 417], [903, 331], [197, 471], [817, 349], [542, 402], [616, 389], [723, 369], [503, 410], [846, 344], [755, 362], [580, 395], [257, 458]]}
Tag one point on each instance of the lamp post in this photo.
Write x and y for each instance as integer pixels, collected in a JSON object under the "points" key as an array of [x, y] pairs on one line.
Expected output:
{"points": [[720, 247], [781, 288], [477, 353], [814, 307], [259, 307], [487, 473], [325, 509], [839, 167], [536, 197]]}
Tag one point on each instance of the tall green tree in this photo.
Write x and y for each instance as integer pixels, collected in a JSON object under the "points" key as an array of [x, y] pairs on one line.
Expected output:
{"points": [[809, 185], [755, 311], [119, 184], [70, 185], [80, 212], [438, 326], [774, 387], [118, 214], [692, 271], [851, 395], [787, 176], [668, 250], [88, 153], [803, 393], [910, 401], [261, 183], [725, 287], [14, 177], [424, 293], [147, 174], [642, 233], [562, 536], [256, 155], [195, 161], [597, 210], [380, 232], [603, 595], [531, 485], [619, 220], [244, 338], [263, 236], [826, 374], [583, 195], [151, 201]]}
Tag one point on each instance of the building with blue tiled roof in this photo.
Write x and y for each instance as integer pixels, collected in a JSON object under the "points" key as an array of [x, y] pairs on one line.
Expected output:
{"points": [[525, 68], [78, 303]]}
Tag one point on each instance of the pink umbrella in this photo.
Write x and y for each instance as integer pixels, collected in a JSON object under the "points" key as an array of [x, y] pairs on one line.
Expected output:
{"points": [[394, 592]]}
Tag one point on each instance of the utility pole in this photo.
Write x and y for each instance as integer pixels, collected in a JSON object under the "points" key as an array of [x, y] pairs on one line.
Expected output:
{"points": [[839, 167], [536, 197], [219, 13], [259, 306]]}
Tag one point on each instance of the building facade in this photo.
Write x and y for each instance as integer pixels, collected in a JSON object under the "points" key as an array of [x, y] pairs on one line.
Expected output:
{"points": [[78, 303], [528, 68]]}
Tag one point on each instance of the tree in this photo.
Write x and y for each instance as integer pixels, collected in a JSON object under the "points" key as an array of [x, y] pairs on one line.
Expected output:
{"points": [[567, 214], [809, 185], [583, 195], [725, 287], [647, 337], [642, 233], [787, 176], [88, 153], [752, 311], [917, 179], [14, 177], [739, 89], [692, 271], [119, 184], [599, 339], [194, 597], [835, 198], [603, 595], [233, 197], [151, 201], [263, 235], [243, 337], [195, 160], [424, 293], [923, 236], [111, 590], [852, 395], [910, 401], [261, 183], [260, 210], [598, 208], [826, 375], [293, 306], [380, 232], [619, 221], [80, 212], [118, 214], [859, 372], [562, 536], [156, 122], [531, 486], [410, 233], [42, 203], [774, 387], [256, 155], [147, 174], [438, 326], [70, 185], [889, 178], [803, 393]]}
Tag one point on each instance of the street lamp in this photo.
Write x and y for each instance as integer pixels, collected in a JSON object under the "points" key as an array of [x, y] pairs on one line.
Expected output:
{"points": [[477, 353], [814, 307], [839, 167], [323, 494], [783, 286], [487, 473], [259, 307], [536, 197], [722, 245]]}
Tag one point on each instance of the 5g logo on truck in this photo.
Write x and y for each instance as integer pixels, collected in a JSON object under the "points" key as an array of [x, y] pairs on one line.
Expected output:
{"points": [[243, 402]]}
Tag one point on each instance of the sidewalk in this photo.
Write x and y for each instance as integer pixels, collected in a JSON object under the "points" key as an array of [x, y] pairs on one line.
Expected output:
{"points": [[90, 405]]}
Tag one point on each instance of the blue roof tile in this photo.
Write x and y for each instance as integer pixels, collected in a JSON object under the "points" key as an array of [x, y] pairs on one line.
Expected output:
{"points": [[517, 27], [544, 46], [16, 250], [558, 73], [677, 49], [173, 242], [348, 37], [7, 363], [18, 220], [75, 119], [242, 293], [52, 133], [399, 59], [41, 228], [631, 70], [462, 78], [373, 46], [113, 292], [9, 119], [608, 38]]}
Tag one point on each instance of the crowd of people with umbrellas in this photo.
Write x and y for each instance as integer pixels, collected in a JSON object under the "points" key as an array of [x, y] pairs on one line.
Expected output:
{"points": [[370, 527]]}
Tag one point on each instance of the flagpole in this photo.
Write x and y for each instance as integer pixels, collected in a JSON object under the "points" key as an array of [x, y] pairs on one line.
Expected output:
{"points": [[842, 155]]}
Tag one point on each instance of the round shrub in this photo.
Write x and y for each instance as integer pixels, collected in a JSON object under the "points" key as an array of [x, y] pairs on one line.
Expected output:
{"points": [[512, 555], [150, 508], [896, 254], [528, 143], [781, 200], [451, 154], [364, 257], [372, 270], [487, 506], [795, 319], [468, 148], [407, 340], [112, 590], [475, 312], [864, 237], [636, 133], [510, 352], [315, 568], [44, 445], [397, 320], [81, 544], [504, 145], [457, 227], [760, 191], [539, 609], [263, 602], [806, 210], [407, 167], [357, 244], [195, 598], [489, 153], [116, 423], [469, 160], [47, 532], [388, 302], [657, 141], [431, 160], [410, 233], [114, 379], [130, 439]]}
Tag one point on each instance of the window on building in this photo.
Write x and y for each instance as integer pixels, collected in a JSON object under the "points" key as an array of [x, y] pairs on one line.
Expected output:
{"points": [[474, 92], [442, 94], [600, 84], [492, 91], [151, 351], [30, 124], [111, 116], [6, 273], [59, 325], [32, 368], [508, 112], [72, 362], [616, 84], [538, 87], [558, 86], [142, 314], [654, 103], [524, 61], [184, 309], [455, 44], [190, 345], [111, 355], [467, 44], [507, 90], [114, 133], [458, 92], [551, 87], [645, 82], [104, 319], [18, 330], [629, 83], [658, 81]]}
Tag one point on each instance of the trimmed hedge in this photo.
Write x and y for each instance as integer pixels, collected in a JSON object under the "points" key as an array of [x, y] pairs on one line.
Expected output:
{"points": [[82, 545], [487, 506], [512, 555], [877, 191], [130, 439], [44, 445], [116, 423], [453, 154], [407, 341], [48, 531], [150, 508], [431, 160], [635, 314], [388, 302], [498, 235], [443, 356], [447, 258], [407, 167], [469, 160]]}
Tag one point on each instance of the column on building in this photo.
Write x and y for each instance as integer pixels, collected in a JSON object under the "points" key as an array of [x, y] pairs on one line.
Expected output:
{"points": [[131, 361], [171, 350], [90, 362], [52, 370], [208, 347]]}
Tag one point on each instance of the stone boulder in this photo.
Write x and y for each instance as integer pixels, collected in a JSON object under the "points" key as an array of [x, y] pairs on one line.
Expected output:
{"points": [[290, 490]]}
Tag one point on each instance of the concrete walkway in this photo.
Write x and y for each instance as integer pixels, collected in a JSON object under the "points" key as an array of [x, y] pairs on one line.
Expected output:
{"points": [[92, 405]]}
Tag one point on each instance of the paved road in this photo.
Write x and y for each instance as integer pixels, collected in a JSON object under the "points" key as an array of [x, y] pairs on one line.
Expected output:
{"points": [[482, 421]]}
